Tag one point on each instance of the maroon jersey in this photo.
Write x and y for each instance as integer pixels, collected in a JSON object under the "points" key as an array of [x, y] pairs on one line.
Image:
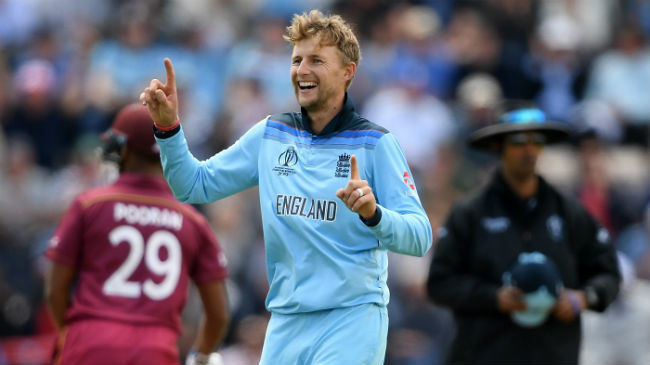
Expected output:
{"points": [[135, 248]]}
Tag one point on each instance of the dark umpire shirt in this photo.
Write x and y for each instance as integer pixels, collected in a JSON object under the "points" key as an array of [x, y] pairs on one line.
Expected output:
{"points": [[482, 239]]}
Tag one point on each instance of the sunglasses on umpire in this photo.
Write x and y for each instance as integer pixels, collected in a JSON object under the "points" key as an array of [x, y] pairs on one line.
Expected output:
{"points": [[520, 139]]}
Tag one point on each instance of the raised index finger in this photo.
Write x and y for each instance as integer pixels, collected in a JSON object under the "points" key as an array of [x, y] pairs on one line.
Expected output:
{"points": [[354, 169], [170, 83]]}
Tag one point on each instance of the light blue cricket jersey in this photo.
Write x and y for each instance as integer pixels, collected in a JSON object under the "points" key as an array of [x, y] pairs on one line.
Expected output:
{"points": [[319, 254]]}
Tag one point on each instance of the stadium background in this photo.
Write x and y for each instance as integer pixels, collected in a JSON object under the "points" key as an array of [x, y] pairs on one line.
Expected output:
{"points": [[431, 72]]}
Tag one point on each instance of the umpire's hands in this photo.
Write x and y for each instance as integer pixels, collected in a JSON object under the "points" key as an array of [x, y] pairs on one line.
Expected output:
{"points": [[569, 305], [357, 194], [510, 299], [161, 99]]}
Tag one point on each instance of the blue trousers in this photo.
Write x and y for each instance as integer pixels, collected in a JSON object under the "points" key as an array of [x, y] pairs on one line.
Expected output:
{"points": [[343, 336]]}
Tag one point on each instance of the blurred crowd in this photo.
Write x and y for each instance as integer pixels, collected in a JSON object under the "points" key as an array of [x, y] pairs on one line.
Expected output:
{"points": [[432, 72]]}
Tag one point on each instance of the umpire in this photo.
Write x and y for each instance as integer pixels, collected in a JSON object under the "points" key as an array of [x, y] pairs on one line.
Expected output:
{"points": [[485, 234]]}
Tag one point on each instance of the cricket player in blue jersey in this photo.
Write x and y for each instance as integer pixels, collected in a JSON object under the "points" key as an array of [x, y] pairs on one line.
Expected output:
{"points": [[335, 191]]}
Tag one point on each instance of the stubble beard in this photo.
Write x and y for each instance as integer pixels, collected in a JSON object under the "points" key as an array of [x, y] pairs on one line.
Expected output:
{"points": [[319, 102], [313, 105], [310, 106]]}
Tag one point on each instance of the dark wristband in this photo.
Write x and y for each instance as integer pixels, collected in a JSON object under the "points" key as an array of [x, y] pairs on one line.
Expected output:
{"points": [[372, 221], [165, 134]]}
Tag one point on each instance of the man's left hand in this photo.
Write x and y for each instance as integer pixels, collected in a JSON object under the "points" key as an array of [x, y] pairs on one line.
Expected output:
{"points": [[357, 195]]}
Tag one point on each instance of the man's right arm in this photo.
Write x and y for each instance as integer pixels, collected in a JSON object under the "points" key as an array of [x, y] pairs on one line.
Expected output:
{"points": [[194, 181], [228, 172]]}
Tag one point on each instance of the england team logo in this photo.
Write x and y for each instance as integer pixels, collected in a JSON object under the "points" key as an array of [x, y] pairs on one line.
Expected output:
{"points": [[343, 166]]}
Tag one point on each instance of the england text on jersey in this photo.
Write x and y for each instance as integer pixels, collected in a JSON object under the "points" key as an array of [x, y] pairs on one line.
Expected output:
{"points": [[145, 215], [317, 209]]}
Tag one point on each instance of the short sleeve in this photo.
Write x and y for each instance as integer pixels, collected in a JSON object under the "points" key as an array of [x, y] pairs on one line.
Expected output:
{"points": [[210, 263], [65, 245]]}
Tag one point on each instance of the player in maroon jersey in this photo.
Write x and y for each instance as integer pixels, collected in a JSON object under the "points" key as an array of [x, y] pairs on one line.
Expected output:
{"points": [[122, 258]]}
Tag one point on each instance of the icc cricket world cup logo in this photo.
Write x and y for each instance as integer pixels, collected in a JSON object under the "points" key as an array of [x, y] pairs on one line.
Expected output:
{"points": [[288, 158]]}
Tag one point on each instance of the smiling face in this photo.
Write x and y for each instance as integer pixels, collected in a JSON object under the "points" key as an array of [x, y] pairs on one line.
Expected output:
{"points": [[318, 74]]}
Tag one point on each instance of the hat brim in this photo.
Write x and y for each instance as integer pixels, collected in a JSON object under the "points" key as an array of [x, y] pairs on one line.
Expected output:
{"points": [[487, 138]]}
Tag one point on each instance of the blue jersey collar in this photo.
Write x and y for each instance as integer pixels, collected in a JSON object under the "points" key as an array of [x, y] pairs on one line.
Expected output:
{"points": [[340, 120]]}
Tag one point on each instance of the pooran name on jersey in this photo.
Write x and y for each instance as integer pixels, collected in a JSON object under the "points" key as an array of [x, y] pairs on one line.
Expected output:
{"points": [[146, 215]]}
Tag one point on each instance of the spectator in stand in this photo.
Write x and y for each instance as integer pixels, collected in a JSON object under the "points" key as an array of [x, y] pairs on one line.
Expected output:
{"points": [[621, 77]]}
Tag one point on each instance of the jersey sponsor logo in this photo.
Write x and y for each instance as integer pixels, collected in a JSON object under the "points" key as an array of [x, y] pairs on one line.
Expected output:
{"points": [[554, 226], [343, 166], [147, 216], [286, 160], [495, 224], [316, 209]]}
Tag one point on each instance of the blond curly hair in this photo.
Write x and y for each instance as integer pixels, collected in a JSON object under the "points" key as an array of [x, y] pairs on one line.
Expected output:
{"points": [[331, 30]]}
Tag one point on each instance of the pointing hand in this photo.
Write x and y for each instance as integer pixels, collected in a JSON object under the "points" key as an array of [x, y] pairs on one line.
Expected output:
{"points": [[357, 194], [161, 99]]}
